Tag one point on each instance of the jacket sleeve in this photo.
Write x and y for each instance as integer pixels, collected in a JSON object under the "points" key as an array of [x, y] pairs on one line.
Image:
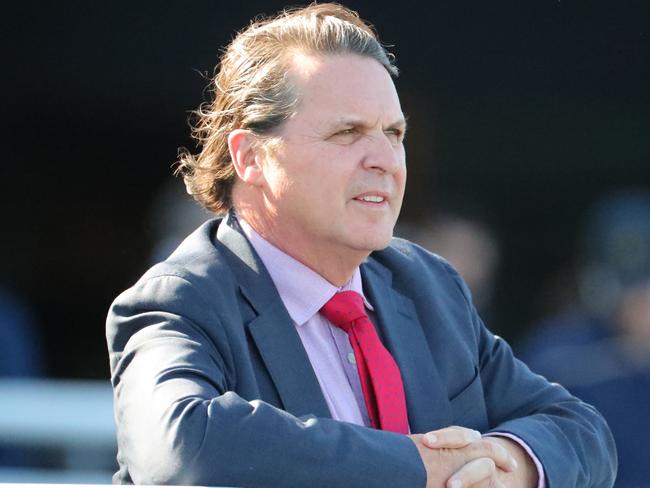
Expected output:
{"points": [[569, 437], [181, 420]]}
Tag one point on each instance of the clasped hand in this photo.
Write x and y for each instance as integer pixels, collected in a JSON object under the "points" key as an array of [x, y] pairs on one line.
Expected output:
{"points": [[457, 457]]}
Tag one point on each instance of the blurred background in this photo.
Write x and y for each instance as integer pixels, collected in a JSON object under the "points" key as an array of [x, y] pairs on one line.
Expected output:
{"points": [[525, 118]]}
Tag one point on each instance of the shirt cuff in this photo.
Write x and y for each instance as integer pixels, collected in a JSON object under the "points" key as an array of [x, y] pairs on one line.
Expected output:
{"points": [[540, 470]]}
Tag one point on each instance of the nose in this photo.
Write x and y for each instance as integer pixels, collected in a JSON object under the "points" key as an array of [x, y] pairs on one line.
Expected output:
{"points": [[383, 155]]}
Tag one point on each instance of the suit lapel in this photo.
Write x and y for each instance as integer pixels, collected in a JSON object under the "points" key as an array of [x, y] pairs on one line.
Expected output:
{"points": [[287, 362], [426, 397], [273, 330]]}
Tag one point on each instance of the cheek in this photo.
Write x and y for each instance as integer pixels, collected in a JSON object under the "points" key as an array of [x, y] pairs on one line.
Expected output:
{"points": [[402, 159], [278, 182], [284, 187], [400, 179]]}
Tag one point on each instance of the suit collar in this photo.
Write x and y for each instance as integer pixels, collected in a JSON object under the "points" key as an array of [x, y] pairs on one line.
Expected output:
{"points": [[274, 334], [273, 330]]}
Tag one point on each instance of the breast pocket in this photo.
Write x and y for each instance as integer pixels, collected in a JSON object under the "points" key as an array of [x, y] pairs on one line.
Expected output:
{"points": [[468, 406]]}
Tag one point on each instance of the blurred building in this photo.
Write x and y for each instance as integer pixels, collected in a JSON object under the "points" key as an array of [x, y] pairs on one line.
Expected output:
{"points": [[599, 348]]}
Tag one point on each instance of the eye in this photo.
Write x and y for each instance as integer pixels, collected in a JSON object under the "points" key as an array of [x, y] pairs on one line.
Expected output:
{"points": [[395, 135], [345, 136]]}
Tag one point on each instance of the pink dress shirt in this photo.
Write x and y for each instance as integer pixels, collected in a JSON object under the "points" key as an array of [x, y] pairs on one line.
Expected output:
{"points": [[304, 292]]}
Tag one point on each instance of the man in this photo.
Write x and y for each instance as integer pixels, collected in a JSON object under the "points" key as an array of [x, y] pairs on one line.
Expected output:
{"points": [[292, 343]]}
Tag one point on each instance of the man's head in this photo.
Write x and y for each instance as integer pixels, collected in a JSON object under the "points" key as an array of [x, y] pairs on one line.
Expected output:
{"points": [[305, 138], [252, 90]]}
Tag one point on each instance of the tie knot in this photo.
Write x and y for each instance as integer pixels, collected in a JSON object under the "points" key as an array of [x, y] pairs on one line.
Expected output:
{"points": [[343, 309]]}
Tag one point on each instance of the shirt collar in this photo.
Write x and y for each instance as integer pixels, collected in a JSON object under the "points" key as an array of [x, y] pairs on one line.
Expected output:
{"points": [[302, 290]]}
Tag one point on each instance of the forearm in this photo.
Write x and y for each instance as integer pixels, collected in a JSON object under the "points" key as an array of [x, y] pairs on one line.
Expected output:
{"points": [[570, 438], [229, 441], [179, 422], [574, 445]]}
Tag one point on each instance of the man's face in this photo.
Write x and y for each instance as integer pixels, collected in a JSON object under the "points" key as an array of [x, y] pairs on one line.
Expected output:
{"points": [[335, 182]]}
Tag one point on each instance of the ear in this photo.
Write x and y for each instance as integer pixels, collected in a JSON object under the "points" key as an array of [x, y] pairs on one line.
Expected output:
{"points": [[244, 158]]}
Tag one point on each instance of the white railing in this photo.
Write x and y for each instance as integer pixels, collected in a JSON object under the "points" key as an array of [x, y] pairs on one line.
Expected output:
{"points": [[72, 418]]}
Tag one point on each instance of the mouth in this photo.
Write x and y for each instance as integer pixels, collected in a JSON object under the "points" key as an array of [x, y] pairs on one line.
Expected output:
{"points": [[374, 198]]}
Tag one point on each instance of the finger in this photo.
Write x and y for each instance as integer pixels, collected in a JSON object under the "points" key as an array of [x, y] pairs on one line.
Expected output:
{"points": [[495, 451], [489, 483], [473, 473], [450, 437]]}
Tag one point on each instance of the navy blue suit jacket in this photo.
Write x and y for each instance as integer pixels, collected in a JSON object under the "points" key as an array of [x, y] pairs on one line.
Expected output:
{"points": [[213, 386]]}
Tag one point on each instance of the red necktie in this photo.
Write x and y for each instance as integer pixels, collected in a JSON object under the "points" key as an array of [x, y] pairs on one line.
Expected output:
{"points": [[381, 381]]}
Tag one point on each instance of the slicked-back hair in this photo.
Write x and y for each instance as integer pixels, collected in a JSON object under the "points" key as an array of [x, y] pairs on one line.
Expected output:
{"points": [[252, 90]]}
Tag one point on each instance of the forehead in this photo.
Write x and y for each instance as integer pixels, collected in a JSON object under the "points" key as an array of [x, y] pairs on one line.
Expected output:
{"points": [[344, 86]]}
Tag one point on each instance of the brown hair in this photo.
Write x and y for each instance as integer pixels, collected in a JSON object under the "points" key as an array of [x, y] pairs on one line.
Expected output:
{"points": [[251, 89]]}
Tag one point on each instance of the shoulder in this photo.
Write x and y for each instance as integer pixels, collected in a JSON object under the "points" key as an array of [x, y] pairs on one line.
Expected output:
{"points": [[199, 263], [199, 253], [195, 281], [192, 294], [413, 267]]}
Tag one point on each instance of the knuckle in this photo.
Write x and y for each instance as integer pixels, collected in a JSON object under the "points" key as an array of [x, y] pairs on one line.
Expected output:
{"points": [[502, 452], [496, 451], [495, 483], [490, 481], [488, 447]]}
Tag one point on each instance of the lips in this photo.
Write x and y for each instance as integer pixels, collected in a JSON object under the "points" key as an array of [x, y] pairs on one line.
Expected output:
{"points": [[372, 197]]}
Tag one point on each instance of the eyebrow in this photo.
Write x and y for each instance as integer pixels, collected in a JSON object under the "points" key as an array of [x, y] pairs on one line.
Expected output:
{"points": [[357, 122], [401, 123]]}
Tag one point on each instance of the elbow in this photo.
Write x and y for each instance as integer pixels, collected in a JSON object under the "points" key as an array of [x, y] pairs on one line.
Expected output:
{"points": [[165, 450]]}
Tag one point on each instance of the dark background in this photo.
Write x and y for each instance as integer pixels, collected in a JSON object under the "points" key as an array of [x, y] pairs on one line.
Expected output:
{"points": [[528, 110]]}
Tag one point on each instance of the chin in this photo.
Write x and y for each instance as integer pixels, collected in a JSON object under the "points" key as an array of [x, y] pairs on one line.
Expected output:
{"points": [[376, 242], [367, 237]]}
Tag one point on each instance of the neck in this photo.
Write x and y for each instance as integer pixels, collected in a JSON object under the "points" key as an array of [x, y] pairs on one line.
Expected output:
{"points": [[335, 265]]}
